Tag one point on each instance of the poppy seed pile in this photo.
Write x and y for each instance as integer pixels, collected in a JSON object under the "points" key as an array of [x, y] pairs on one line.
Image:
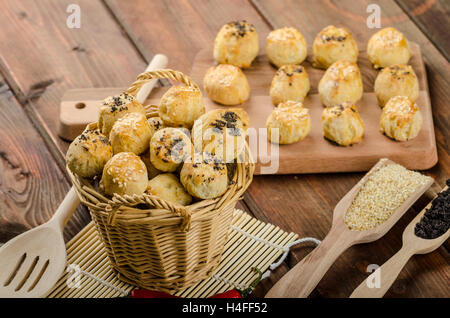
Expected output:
{"points": [[436, 220]]}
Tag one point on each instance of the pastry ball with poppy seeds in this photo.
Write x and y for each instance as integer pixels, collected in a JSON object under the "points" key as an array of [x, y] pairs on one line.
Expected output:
{"points": [[396, 80], [130, 133], [286, 46], [237, 44], [342, 124], [115, 107], [124, 173], [169, 147], [333, 44], [291, 82], [180, 106], [204, 177]]}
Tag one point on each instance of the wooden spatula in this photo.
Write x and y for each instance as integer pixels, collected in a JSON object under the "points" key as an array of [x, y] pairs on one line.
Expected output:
{"points": [[304, 277], [389, 271], [81, 106], [31, 263]]}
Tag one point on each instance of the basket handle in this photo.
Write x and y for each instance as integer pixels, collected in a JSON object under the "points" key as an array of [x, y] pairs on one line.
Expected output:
{"points": [[161, 73], [117, 201]]}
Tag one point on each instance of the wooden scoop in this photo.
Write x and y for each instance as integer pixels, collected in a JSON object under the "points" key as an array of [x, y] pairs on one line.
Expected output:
{"points": [[304, 277], [389, 271], [31, 263]]}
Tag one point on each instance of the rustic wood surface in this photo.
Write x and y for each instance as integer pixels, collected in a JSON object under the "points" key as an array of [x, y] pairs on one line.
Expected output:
{"points": [[41, 58]]}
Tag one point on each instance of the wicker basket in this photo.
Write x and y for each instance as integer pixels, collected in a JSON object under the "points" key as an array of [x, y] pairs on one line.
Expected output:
{"points": [[156, 244]]}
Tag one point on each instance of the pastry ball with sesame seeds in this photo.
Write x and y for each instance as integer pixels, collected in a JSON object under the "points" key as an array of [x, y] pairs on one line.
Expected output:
{"points": [[395, 80], [341, 83], [88, 153], [237, 44], [288, 123], [388, 47], [169, 147], [333, 44], [180, 106], [221, 132], [401, 119], [124, 173], [130, 133], [226, 84], [342, 124], [168, 187], [291, 82], [115, 107], [286, 46], [204, 177]]}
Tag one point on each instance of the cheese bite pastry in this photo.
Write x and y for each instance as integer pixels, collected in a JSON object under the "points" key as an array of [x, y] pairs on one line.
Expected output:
{"points": [[401, 119], [124, 173], [167, 187], [291, 82], [396, 80], [292, 121], [237, 44], [226, 84], [115, 107], [333, 44], [169, 147], [131, 133], [341, 83], [388, 47], [180, 106], [342, 124], [88, 153], [286, 46]]}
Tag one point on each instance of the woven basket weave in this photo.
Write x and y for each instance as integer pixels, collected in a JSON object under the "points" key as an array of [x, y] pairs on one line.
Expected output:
{"points": [[157, 244]]}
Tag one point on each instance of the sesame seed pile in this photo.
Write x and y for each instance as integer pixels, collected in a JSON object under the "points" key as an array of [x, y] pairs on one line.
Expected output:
{"points": [[384, 191]]}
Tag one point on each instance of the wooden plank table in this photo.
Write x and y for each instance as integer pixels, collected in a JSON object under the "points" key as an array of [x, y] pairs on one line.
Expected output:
{"points": [[40, 58]]}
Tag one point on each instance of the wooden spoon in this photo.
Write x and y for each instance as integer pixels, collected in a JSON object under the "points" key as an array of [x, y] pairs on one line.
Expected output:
{"points": [[304, 277], [31, 263], [389, 271]]}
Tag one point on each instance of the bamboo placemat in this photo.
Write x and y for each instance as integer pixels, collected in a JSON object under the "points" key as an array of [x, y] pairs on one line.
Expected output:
{"points": [[251, 243]]}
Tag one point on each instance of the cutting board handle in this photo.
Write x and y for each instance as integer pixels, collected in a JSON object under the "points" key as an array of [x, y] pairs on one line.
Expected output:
{"points": [[300, 281]]}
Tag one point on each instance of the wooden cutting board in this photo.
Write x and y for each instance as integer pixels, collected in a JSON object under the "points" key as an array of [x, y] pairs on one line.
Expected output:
{"points": [[315, 154]]}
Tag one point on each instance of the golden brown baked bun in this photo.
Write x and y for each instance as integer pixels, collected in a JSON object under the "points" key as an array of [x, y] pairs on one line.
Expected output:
{"points": [[291, 82], [124, 173], [221, 132], [115, 107], [130, 133], [88, 153], [333, 44], [286, 46], [167, 187], [169, 147], [292, 121], [401, 119], [396, 80], [388, 47], [156, 123], [341, 83], [204, 177], [342, 124], [226, 84], [180, 106], [237, 44]]}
